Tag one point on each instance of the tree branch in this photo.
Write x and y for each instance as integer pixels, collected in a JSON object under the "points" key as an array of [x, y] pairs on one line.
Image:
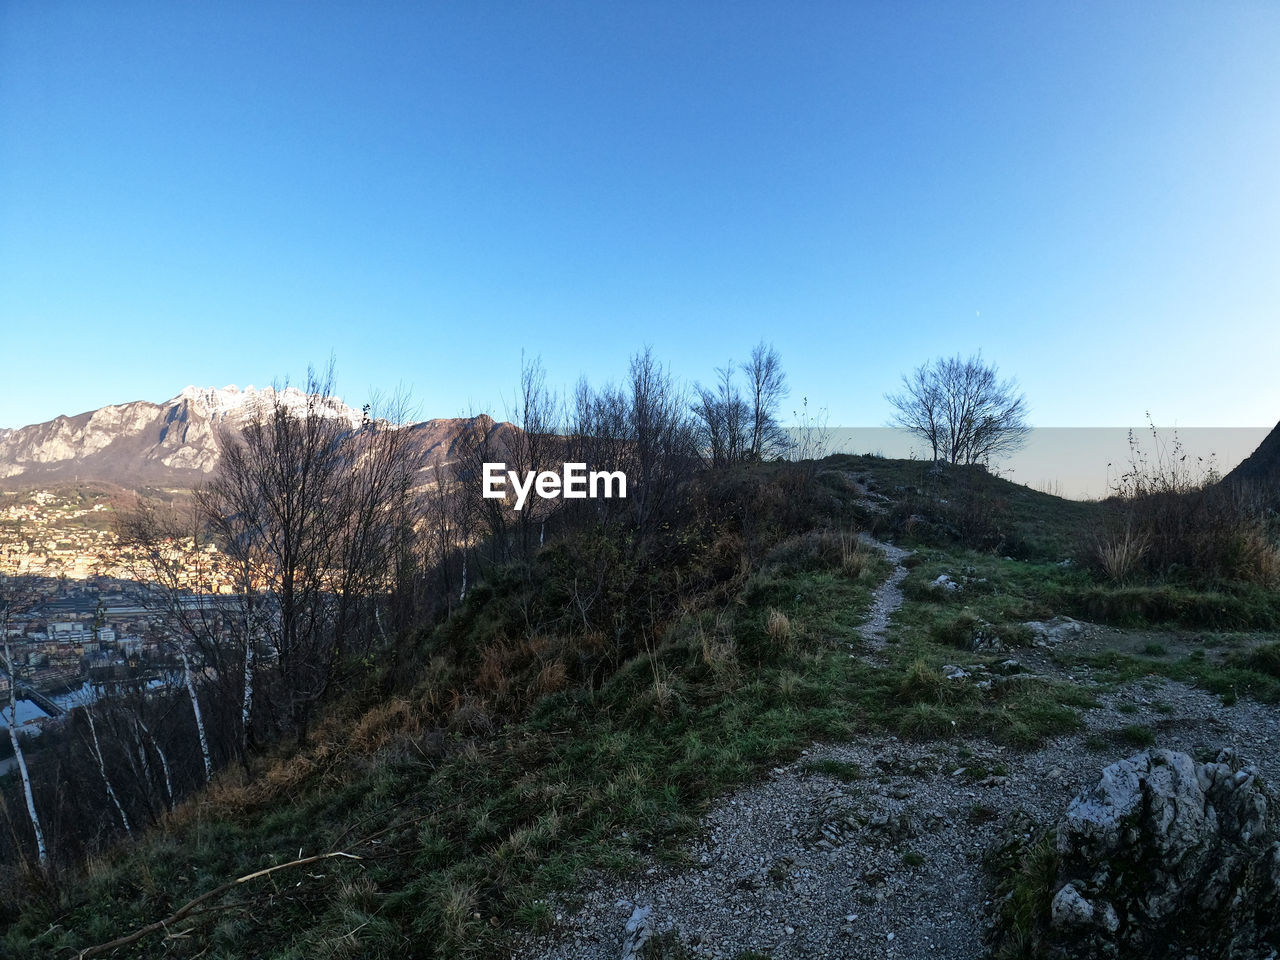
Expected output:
{"points": [[191, 905]]}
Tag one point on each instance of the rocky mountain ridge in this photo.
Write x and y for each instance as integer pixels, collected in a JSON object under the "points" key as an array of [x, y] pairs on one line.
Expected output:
{"points": [[174, 443]]}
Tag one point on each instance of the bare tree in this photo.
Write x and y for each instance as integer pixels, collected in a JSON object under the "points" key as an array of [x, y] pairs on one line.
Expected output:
{"points": [[381, 509], [95, 749], [660, 438], [723, 417], [766, 388], [962, 409], [314, 511], [533, 447], [441, 533], [12, 722], [161, 545], [597, 436], [737, 428], [481, 518]]}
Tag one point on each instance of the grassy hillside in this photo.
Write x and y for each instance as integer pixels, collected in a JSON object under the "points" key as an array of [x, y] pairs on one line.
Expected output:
{"points": [[485, 764]]}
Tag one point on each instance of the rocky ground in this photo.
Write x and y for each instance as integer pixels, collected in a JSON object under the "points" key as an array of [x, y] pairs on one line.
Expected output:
{"points": [[874, 848]]}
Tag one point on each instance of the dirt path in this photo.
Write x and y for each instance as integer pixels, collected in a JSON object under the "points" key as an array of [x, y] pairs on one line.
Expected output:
{"points": [[874, 848], [888, 596]]}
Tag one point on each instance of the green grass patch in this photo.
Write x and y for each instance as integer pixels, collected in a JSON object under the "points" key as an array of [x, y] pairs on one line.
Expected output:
{"points": [[841, 770]]}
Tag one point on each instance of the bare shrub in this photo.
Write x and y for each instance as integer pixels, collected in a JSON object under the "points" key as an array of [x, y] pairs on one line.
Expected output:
{"points": [[1120, 556], [853, 555], [551, 678], [720, 654], [778, 626], [1172, 517]]}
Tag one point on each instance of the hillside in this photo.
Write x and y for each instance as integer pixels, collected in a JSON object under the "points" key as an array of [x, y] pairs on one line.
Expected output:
{"points": [[1263, 465], [792, 723]]}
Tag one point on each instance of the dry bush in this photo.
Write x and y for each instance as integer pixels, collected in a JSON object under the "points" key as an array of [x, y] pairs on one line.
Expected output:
{"points": [[1215, 533], [853, 555], [728, 554], [1262, 557], [469, 714], [382, 723], [665, 695], [494, 674], [551, 678], [1192, 525], [778, 626], [1120, 556], [285, 777], [721, 655]]}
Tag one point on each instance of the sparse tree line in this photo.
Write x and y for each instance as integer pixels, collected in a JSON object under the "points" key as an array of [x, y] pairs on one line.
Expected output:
{"points": [[342, 542]]}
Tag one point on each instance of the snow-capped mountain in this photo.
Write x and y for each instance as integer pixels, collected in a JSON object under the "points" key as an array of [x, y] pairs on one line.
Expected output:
{"points": [[175, 443], [232, 403]]}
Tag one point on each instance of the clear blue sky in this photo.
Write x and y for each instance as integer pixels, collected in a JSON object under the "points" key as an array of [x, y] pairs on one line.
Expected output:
{"points": [[218, 193]]}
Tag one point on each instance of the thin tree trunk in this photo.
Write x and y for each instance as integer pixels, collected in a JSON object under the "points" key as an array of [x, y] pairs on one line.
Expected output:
{"points": [[246, 704], [164, 761], [102, 769], [195, 708], [17, 752]]}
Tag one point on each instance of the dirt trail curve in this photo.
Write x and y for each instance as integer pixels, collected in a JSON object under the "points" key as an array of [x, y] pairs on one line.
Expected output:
{"points": [[888, 596], [889, 864]]}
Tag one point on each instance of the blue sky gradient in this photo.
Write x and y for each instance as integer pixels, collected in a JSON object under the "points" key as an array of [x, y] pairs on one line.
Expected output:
{"points": [[218, 193]]}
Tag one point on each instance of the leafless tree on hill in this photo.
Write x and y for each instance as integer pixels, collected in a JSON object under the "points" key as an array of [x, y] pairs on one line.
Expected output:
{"points": [[962, 409], [164, 542], [535, 446], [766, 389], [737, 428], [318, 511], [661, 438]]}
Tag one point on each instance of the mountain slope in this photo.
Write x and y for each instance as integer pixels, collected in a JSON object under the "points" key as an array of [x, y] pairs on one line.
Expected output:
{"points": [[173, 443], [1263, 464]]}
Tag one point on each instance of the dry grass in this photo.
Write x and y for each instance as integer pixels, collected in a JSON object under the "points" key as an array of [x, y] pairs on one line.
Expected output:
{"points": [[1121, 556], [551, 678], [720, 654], [469, 714], [853, 555], [459, 910], [494, 675], [1257, 557], [381, 724], [778, 626]]}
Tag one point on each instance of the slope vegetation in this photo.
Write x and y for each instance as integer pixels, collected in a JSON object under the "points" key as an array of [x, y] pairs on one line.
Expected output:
{"points": [[582, 712]]}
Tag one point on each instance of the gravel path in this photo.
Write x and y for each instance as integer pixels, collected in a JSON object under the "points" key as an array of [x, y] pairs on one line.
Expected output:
{"points": [[889, 864], [888, 596], [885, 860]]}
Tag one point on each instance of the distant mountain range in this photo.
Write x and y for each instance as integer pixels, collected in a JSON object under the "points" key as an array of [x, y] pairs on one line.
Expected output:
{"points": [[175, 443]]}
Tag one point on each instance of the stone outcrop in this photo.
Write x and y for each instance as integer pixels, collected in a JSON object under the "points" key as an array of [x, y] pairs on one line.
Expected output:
{"points": [[1050, 633], [1164, 858]]}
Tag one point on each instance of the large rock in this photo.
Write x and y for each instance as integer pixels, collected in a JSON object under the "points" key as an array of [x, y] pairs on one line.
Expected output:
{"points": [[638, 933], [1050, 633], [1164, 858]]}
